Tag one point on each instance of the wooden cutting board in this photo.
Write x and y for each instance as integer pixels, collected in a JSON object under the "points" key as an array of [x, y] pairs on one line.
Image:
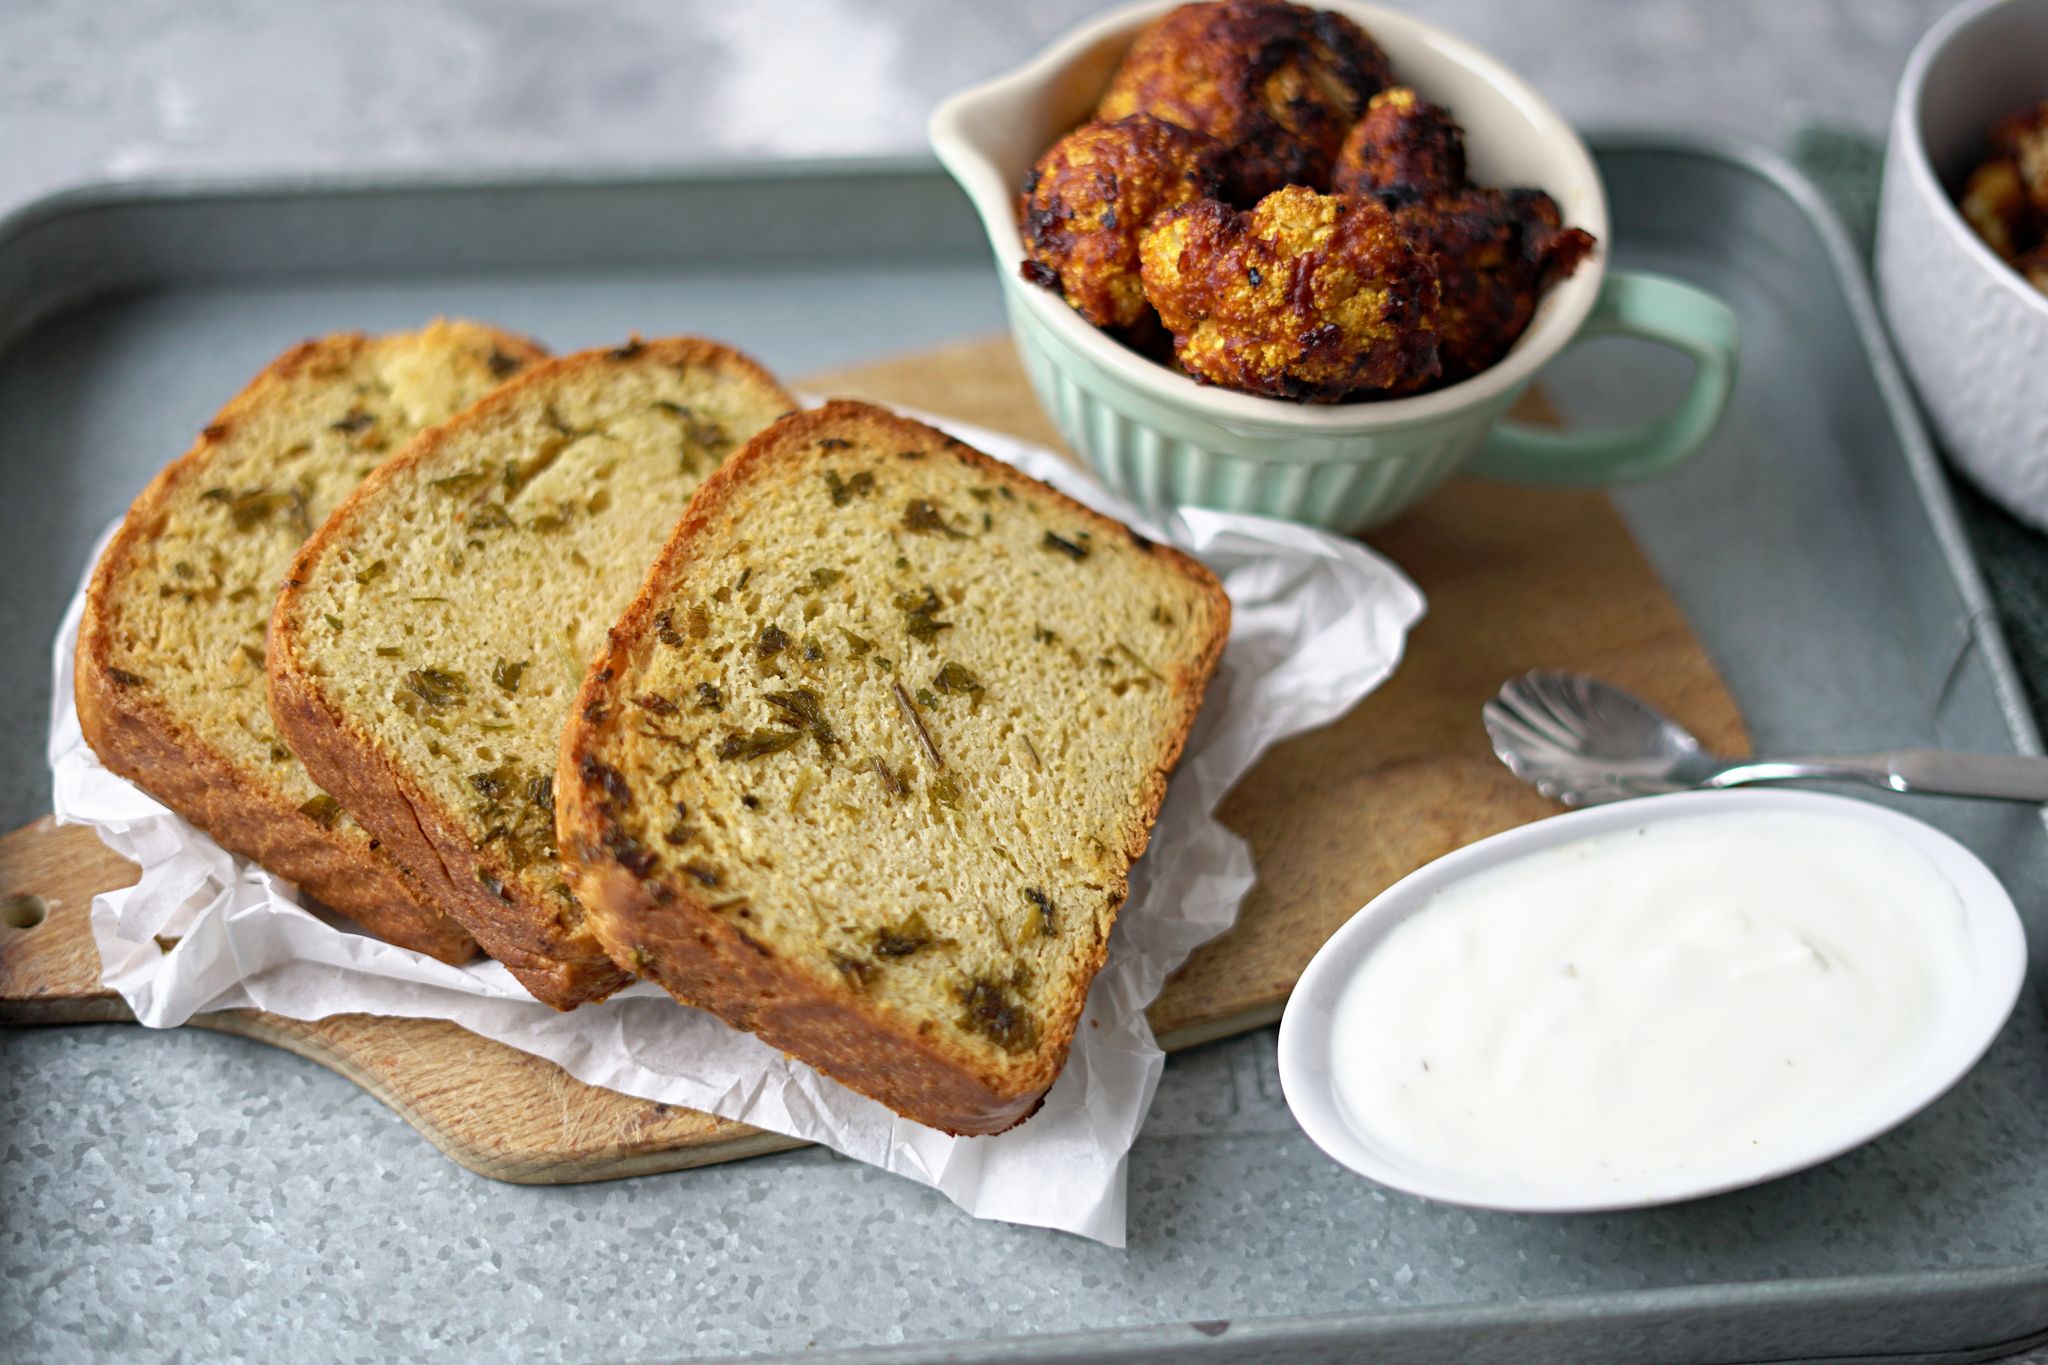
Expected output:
{"points": [[1516, 579]]}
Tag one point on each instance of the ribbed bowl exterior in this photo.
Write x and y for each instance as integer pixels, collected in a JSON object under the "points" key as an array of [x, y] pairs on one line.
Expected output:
{"points": [[1970, 330], [1161, 457]]}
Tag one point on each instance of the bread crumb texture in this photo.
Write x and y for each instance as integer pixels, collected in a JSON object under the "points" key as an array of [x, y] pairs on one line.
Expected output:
{"points": [[443, 621], [173, 642], [869, 760]]}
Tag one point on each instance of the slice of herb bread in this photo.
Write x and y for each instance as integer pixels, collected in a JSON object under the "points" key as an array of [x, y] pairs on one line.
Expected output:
{"points": [[170, 687], [863, 768], [431, 636]]}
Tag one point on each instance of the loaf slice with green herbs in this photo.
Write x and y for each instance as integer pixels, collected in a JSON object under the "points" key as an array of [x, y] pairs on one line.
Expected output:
{"points": [[427, 646], [864, 767], [170, 678]]}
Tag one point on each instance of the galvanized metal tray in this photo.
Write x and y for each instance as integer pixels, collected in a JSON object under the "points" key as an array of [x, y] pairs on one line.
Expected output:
{"points": [[1814, 548]]}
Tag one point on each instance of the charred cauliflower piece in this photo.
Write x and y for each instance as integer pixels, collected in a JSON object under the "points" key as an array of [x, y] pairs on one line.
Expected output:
{"points": [[1090, 196], [1401, 145], [2006, 197], [2034, 265], [1277, 84], [1495, 252], [1995, 202], [2023, 137], [1306, 296]]}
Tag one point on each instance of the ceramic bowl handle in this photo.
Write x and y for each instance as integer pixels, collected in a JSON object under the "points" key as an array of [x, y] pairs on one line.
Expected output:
{"points": [[1652, 308]]}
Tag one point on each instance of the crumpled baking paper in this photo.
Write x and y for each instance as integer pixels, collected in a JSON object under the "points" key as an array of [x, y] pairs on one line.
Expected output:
{"points": [[1318, 622]]}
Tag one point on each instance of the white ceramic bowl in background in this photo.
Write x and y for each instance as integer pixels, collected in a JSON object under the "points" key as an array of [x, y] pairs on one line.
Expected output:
{"points": [[1963, 1028], [1163, 440], [1972, 332]]}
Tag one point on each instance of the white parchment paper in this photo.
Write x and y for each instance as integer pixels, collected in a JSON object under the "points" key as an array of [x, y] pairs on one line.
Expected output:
{"points": [[1318, 622]]}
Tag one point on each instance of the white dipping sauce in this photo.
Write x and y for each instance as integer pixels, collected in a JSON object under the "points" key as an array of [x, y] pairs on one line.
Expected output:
{"points": [[1669, 999]]}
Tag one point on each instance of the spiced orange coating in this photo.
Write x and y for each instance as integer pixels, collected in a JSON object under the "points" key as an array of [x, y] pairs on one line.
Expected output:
{"points": [[2034, 266], [1306, 296], [1277, 84], [1495, 251], [2006, 196], [2023, 136], [1995, 203], [1090, 196], [1401, 143]]}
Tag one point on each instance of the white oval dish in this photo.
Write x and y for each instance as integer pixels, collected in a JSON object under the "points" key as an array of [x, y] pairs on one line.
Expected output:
{"points": [[1961, 1030]]}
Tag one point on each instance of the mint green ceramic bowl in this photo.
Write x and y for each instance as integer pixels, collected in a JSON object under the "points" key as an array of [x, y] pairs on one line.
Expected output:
{"points": [[1163, 440]]}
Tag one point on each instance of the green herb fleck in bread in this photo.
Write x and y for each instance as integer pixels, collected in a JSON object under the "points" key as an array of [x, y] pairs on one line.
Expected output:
{"points": [[170, 685], [865, 765], [426, 649]]}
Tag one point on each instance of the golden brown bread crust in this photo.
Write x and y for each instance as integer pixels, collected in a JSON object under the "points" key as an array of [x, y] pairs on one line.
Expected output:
{"points": [[136, 736], [425, 841], [672, 935], [563, 966], [141, 743], [703, 960]]}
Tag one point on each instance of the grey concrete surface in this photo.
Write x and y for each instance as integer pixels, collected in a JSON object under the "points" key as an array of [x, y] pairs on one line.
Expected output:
{"points": [[191, 1196], [96, 88]]}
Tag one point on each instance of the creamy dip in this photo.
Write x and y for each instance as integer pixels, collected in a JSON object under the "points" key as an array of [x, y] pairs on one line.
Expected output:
{"points": [[1670, 998]]}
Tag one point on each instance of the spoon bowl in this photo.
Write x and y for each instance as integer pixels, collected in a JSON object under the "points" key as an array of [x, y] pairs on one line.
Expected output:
{"points": [[1584, 742], [1581, 741]]}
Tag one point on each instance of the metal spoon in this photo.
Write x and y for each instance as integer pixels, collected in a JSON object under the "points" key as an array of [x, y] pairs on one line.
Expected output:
{"points": [[1580, 741]]}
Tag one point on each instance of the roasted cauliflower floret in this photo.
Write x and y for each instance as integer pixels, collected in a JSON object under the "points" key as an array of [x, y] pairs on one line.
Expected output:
{"points": [[1402, 144], [1495, 252], [1192, 206], [2006, 197], [1995, 202], [1090, 196], [2034, 265], [1306, 296], [2024, 138], [1278, 85]]}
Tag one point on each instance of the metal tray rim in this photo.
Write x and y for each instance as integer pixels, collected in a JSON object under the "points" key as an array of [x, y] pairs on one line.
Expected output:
{"points": [[1842, 1293], [1901, 405], [143, 190], [1234, 1337]]}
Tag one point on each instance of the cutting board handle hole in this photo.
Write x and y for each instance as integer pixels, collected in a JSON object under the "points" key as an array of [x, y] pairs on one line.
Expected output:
{"points": [[23, 911]]}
